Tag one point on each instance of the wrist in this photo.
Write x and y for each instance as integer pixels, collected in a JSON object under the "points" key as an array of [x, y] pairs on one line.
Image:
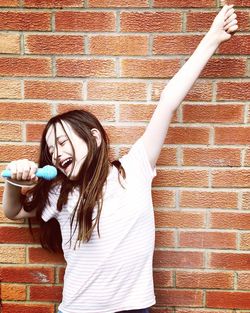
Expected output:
{"points": [[212, 40]]}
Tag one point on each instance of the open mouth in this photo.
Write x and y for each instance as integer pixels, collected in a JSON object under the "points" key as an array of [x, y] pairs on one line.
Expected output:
{"points": [[66, 163]]}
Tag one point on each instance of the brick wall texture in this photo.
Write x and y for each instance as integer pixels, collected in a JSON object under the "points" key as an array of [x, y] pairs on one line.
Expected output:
{"points": [[113, 57]]}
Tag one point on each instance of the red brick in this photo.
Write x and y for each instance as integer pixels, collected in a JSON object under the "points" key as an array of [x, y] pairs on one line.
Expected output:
{"points": [[163, 278], [201, 91], [224, 67], [27, 308], [232, 135], [10, 89], [230, 220], [208, 240], [227, 300], [233, 90], [178, 259], [204, 280], [240, 42], [163, 198], [164, 239], [206, 113], [183, 4], [181, 178], [45, 293], [9, 3], [24, 111], [40, 256], [85, 68], [179, 297], [25, 21], [136, 112], [10, 132], [241, 3], [150, 22], [149, 68], [25, 66], [161, 310], [247, 158], [245, 205], [9, 43], [34, 132], [175, 44], [102, 90], [243, 280], [34, 275], [202, 311], [56, 90], [61, 272], [201, 21], [139, 112], [118, 3], [230, 261], [85, 21], [125, 135], [52, 3], [54, 44], [167, 155], [179, 219], [211, 157], [118, 45], [208, 199], [12, 254], [9, 153], [187, 135], [13, 292], [231, 178], [245, 241], [18, 235], [102, 112]]}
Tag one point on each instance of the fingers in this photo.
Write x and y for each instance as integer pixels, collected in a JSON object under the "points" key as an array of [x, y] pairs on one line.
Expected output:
{"points": [[232, 29], [231, 23], [229, 10], [22, 170], [225, 10], [230, 18]]}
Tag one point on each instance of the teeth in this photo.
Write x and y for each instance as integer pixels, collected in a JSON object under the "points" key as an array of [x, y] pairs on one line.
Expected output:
{"points": [[65, 161]]}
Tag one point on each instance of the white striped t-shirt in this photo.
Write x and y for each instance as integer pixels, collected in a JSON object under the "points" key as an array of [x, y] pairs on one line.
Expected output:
{"points": [[112, 272]]}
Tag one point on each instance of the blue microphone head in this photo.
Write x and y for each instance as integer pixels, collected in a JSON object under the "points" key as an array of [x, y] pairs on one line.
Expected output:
{"points": [[48, 172]]}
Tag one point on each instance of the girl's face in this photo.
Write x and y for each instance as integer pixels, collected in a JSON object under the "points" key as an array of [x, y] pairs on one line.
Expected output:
{"points": [[63, 157]]}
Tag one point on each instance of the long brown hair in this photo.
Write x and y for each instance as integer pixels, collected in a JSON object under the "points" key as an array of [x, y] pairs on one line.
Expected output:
{"points": [[91, 180]]}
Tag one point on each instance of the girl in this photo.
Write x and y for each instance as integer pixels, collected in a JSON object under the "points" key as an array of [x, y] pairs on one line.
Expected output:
{"points": [[104, 210]]}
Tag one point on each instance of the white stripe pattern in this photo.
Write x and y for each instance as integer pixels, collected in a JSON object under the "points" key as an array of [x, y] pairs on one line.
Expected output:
{"points": [[114, 272]]}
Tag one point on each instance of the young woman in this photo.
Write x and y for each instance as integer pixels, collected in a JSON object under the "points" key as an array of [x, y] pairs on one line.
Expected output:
{"points": [[101, 213]]}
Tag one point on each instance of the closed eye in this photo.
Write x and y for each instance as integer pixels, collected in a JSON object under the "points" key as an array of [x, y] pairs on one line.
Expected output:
{"points": [[61, 143]]}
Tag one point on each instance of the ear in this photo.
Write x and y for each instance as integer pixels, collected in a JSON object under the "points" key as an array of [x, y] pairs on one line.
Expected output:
{"points": [[96, 133]]}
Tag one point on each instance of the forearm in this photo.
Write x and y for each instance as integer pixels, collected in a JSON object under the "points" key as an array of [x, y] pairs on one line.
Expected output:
{"points": [[11, 200], [178, 87]]}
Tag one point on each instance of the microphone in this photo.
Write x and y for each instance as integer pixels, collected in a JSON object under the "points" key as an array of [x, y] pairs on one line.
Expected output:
{"points": [[47, 172]]}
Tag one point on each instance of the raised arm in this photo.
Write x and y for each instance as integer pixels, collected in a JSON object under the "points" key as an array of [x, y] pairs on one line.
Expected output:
{"points": [[223, 26]]}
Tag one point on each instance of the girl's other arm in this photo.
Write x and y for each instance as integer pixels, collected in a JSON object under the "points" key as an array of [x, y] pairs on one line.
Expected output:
{"points": [[12, 207], [223, 26]]}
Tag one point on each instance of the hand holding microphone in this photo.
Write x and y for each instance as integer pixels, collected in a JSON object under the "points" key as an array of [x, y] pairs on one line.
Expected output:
{"points": [[23, 170]]}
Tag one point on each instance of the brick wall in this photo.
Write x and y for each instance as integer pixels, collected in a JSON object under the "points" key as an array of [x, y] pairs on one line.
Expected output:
{"points": [[113, 58]]}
